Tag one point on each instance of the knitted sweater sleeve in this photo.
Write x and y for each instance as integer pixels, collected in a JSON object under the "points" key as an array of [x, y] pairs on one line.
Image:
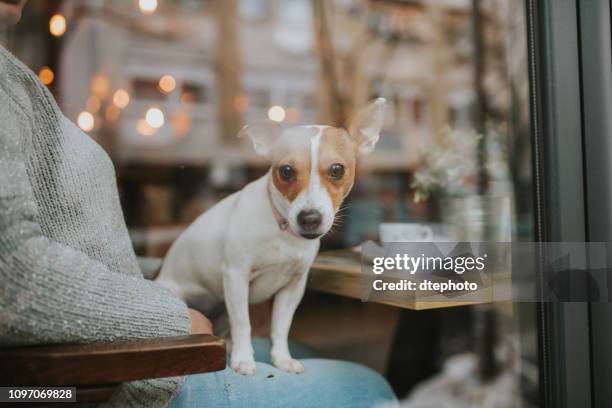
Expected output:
{"points": [[52, 293]]}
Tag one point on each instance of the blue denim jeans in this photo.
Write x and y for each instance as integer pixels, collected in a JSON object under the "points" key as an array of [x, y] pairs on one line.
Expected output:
{"points": [[324, 383]]}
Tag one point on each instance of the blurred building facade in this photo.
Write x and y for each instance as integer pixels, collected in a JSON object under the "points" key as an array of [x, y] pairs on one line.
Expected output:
{"points": [[416, 55]]}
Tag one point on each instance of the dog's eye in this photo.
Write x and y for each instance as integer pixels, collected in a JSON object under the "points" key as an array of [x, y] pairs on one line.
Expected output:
{"points": [[336, 171], [286, 172]]}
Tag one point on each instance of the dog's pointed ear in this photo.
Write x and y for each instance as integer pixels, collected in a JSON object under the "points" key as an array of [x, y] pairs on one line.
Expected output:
{"points": [[263, 135], [366, 125]]}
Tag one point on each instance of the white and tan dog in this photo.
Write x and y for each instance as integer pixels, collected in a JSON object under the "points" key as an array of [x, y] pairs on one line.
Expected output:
{"points": [[261, 241]]}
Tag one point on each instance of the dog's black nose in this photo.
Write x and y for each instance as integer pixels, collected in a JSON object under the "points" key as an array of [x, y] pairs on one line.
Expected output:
{"points": [[309, 220]]}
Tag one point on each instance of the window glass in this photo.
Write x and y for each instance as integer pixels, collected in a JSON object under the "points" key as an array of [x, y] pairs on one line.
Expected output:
{"points": [[170, 88]]}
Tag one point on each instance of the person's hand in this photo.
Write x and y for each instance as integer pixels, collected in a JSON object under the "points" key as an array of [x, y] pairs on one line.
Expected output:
{"points": [[200, 323]]}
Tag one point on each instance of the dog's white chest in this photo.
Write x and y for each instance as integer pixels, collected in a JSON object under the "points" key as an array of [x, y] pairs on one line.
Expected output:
{"points": [[276, 264]]}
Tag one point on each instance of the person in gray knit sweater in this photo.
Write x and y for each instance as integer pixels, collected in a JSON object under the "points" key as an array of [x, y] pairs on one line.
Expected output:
{"points": [[68, 272]]}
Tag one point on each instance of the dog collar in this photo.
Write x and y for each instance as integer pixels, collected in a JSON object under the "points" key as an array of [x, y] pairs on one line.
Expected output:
{"points": [[282, 222]]}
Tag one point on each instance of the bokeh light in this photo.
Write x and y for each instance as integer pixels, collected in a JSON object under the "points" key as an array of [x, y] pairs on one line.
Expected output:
{"points": [[147, 6], [86, 121], [46, 75], [100, 85], [167, 83], [276, 113], [112, 113], [155, 118], [121, 98], [57, 25]]}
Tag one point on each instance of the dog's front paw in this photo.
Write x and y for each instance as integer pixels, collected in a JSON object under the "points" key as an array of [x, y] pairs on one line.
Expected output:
{"points": [[244, 367], [289, 365]]}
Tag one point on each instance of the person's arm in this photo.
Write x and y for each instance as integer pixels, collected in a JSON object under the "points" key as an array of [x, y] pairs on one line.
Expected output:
{"points": [[52, 293]]}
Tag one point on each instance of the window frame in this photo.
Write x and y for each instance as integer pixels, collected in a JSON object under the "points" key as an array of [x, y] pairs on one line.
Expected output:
{"points": [[569, 50]]}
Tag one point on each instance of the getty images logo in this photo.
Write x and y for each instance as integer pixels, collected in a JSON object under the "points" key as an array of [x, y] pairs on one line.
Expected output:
{"points": [[412, 264]]}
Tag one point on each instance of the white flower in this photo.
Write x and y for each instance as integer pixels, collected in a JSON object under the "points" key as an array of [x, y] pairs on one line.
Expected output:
{"points": [[448, 164]]}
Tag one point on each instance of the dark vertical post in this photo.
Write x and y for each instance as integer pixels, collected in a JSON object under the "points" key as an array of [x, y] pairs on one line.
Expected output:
{"points": [[228, 67], [333, 101], [480, 105], [486, 318], [596, 64]]}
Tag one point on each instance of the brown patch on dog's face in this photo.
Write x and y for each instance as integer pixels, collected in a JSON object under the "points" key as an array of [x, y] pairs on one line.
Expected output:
{"points": [[296, 155], [290, 188], [337, 148]]}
